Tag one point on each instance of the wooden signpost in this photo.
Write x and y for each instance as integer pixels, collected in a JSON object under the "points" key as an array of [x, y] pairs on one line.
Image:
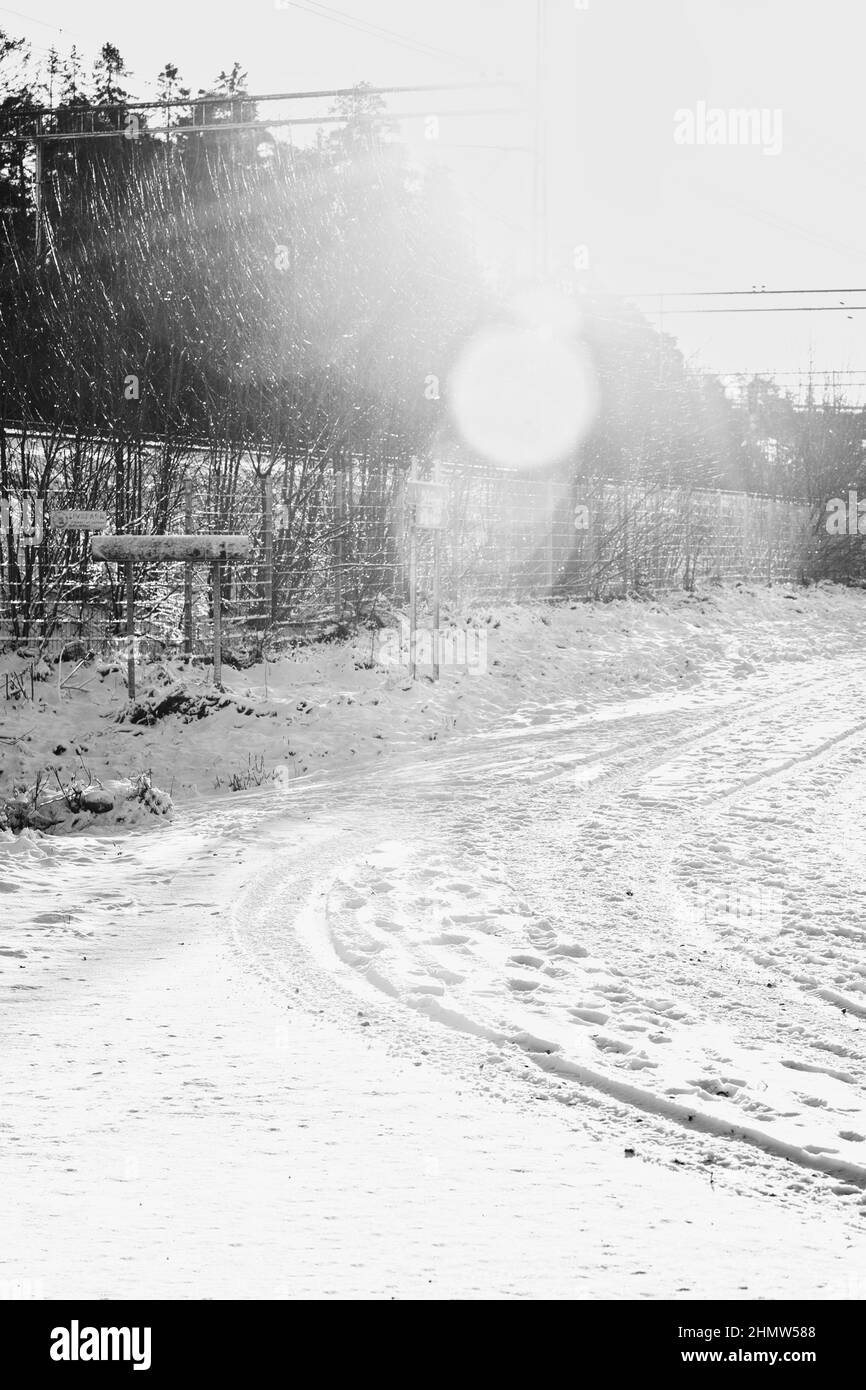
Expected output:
{"points": [[212, 550]]}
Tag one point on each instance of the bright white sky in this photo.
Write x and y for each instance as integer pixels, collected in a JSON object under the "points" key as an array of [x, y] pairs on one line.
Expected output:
{"points": [[655, 215]]}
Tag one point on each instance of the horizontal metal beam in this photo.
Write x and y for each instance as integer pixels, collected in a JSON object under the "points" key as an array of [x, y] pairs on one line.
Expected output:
{"points": [[49, 139], [189, 548], [220, 99]]}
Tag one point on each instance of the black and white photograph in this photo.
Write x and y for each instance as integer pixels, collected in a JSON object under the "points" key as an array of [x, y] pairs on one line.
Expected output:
{"points": [[433, 667]]}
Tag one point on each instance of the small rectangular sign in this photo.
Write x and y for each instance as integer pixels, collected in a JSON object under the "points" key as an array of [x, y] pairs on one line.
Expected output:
{"points": [[77, 520], [429, 501]]}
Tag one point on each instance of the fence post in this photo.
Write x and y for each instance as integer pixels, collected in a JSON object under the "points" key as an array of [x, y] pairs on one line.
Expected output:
{"points": [[187, 569], [688, 577], [589, 539], [130, 631], [339, 503], [119, 514], [550, 506], [413, 573], [771, 509], [268, 527], [437, 584], [623, 502], [216, 584], [595, 539]]}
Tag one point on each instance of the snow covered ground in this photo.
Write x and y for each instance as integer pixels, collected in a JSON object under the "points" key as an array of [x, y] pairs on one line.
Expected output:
{"points": [[547, 982]]}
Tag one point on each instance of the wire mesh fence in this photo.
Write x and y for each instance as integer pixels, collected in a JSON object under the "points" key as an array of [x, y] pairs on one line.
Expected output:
{"points": [[329, 542]]}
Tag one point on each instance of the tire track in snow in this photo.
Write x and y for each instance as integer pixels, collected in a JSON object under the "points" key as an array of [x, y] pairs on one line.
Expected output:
{"points": [[620, 766]]}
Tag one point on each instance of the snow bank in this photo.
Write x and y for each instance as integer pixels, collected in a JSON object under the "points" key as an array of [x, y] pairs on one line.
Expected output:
{"points": [[330, 706]]}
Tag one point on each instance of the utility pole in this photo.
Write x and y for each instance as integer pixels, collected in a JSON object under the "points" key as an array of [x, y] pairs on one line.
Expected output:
{"points": [[37, 188], [539, 187]]}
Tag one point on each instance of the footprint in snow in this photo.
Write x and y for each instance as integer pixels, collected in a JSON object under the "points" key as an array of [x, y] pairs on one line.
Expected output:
{"points": [[607, 1044], [590, 1015]]}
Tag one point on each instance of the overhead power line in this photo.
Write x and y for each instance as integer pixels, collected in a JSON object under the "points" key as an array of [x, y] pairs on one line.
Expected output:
{"points": [[778, 309], [373, 30], [43, 23], [700, 294]]}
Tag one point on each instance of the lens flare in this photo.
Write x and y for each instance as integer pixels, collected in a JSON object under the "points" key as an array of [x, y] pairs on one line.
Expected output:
{"points": [[522, 397]]}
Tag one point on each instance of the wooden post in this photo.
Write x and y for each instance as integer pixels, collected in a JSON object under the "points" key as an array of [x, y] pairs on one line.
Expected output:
{"points": [[591, 548], [119, 509], [437, 573], [687, 527], [216, 585], [550, 566], [413, 574], [437, 585], [771, 517], [339, 504], [130, 630], [624, 501], [413, 600], [268, 534], [187, 569]]}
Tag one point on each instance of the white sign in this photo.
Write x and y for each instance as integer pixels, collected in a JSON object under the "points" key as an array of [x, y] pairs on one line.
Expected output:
{"points": [[429, 501], [78, 520]]}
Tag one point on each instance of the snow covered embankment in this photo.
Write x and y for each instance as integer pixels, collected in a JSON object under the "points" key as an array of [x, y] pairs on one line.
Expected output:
{"points": [[329, 707]]}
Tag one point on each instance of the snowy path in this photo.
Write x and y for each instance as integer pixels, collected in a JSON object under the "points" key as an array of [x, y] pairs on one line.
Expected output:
{"points": [[665, 909], [396, 1036]]}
